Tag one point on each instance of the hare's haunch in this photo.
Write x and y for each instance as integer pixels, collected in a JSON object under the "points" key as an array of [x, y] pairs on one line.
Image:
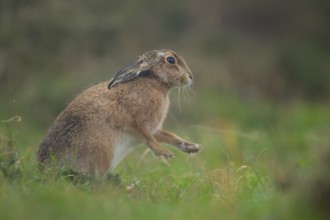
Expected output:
{"points": [[100, 125]]}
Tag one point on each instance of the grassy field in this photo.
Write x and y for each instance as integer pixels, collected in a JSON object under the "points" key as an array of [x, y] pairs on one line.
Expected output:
{"points": [[260, 161]]}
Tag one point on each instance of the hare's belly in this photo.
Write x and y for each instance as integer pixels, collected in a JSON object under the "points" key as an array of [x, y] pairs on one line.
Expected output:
{"points": [[122, 148]]}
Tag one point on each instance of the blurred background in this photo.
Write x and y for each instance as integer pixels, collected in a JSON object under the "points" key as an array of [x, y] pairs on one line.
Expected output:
{"points": [[277, 51], [260, 99]]}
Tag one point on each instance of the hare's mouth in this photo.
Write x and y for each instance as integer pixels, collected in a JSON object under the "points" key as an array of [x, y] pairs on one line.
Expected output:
{"points": [[185, 82]]}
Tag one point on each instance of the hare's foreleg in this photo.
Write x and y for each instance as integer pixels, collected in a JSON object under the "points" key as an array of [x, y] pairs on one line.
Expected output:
{"points": [[152, 143], [173, 139]]}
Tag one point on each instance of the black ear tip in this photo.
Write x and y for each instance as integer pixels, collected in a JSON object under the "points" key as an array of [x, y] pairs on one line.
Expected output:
{"points": [[110, 85]]}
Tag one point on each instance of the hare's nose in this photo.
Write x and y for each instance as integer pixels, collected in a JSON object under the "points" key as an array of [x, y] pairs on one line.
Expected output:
{"points": [[190, 76]]}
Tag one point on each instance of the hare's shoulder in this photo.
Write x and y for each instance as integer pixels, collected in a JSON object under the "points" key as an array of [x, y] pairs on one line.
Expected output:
{"points": [[92, 94]]}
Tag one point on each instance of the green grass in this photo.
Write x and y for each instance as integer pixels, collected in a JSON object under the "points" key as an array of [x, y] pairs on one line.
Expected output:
{"points": [[260, 161]]}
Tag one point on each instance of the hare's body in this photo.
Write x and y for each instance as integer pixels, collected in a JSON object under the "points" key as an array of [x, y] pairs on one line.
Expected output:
{"points": [[101, 124]]}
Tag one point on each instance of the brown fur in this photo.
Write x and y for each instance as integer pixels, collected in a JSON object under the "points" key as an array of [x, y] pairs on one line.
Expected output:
{"points": [[84, 137]]}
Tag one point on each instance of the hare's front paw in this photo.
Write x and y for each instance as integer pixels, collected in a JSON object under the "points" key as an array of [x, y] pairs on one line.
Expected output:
{"points": [[163, 153], [190, 147]]}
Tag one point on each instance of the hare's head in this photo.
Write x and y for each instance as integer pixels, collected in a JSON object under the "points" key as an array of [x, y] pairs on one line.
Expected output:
{"points": [[166, 65]]}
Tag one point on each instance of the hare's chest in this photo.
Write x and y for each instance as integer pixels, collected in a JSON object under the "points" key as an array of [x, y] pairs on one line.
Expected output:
{"points": [[157, 117]]}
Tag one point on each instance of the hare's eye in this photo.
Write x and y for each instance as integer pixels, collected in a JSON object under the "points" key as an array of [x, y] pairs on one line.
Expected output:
{"points": [[170, 60]]}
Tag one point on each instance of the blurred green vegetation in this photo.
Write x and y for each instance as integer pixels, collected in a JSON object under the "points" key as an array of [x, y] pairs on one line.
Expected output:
{"points": [[259, 105], [260, 161]]}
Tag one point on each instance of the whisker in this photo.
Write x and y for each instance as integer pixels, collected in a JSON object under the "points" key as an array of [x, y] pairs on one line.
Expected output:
{"points": [[179, 99], [188, 94], [191, 89], [184, 94]]}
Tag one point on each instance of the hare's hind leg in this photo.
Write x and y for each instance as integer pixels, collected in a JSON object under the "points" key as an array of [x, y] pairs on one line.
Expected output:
{"points": [[94, 160], [173, 139]]}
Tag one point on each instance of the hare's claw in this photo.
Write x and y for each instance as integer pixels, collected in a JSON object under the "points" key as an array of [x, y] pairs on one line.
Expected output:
{"points": [[164, 154]]}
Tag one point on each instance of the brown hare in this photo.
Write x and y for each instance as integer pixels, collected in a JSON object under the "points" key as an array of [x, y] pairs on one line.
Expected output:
{"points": [[100, 125]]}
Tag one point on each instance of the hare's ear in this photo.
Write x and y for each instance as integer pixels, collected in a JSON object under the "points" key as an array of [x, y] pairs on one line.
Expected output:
{"points": [[131, 71]]}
